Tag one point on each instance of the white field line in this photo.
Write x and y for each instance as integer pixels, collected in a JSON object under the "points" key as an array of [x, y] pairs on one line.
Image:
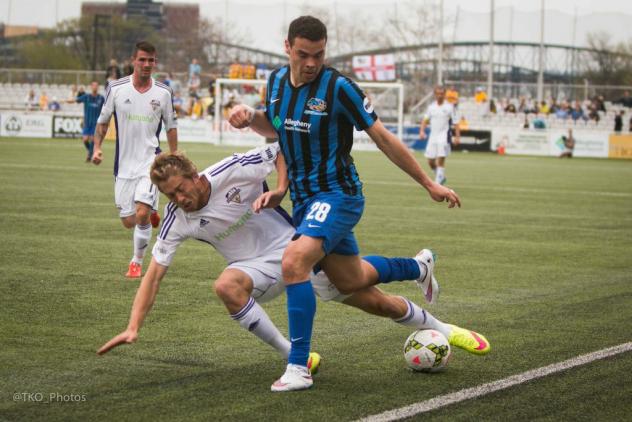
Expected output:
{"points": [[509, 189], [481, 390]]}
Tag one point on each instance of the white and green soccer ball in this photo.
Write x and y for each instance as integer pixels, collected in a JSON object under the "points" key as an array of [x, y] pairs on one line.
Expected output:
{"points": [[427, 351]]}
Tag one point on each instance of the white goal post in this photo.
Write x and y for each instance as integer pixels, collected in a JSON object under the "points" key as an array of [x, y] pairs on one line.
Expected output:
{"points": [[387, 99]]}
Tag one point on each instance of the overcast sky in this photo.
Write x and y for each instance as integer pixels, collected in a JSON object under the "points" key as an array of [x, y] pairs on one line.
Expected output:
{"points": [[264, 20]]}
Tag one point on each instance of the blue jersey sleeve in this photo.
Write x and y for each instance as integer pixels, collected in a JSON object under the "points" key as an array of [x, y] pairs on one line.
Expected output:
{"points": [[355, 105]]}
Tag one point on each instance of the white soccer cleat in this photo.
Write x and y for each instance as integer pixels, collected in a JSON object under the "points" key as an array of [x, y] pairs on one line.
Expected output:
{"points": [[428, 284], [296, 377]]}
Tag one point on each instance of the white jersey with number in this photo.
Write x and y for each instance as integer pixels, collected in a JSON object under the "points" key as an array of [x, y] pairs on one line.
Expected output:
{"points": [[441, 118], [138, 118], [227, 222]]}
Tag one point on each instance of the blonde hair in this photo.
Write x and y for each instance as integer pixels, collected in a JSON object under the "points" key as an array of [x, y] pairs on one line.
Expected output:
{"points": [[167, 165]]}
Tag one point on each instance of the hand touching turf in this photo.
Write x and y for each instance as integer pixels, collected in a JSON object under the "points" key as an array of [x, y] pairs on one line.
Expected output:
{"points": [[441, 193], [126, 337]]}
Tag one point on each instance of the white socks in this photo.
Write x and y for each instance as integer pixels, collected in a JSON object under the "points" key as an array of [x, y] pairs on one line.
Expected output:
{"points": [[422, 320], [142, 235], [440, 174], [253, 318]]}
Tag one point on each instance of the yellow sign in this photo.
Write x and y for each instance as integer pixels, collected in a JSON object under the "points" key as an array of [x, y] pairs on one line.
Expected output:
{"points": [[620, 146]]}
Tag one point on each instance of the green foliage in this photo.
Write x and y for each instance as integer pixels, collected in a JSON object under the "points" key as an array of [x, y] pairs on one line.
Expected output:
{"points": [[538, 260]]}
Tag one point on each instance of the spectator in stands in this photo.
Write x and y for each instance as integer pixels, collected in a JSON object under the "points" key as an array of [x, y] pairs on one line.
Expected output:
{"points": [[600, 103], [194, 69], [569, 145], [463, 124], [538, 122], [626, 100], [510, 108], [128, 67], [618, 121], [544, 108], [112, 73], [43, 101], [630, 125], [553, 107], [593, 113], [178, 104], [480, 96], [577, 112], [30, 102], [175, 84], [452, 96], [522, 106], [54, 105], [492, 106], [562, 111], [197, 110]]}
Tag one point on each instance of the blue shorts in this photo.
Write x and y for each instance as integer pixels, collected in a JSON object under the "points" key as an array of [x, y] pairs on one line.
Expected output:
{"points": [[330, 216], [88, 130]]}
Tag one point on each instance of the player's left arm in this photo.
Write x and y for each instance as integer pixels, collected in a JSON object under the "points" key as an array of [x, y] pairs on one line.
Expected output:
{"points": [[457, 129], [399, 154], [171, 124], [273, 199]]}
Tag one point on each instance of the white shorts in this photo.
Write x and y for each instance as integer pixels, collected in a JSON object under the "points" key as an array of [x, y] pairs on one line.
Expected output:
{"points": [[437, 148], [127, 192], [267, 280]]}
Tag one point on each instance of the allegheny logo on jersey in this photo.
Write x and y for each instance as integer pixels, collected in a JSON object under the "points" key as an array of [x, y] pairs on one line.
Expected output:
{"points": [[233, 195], [276, 122], [297, 125], [316, 106], [155, 104], [203, 222], [368, 107]]}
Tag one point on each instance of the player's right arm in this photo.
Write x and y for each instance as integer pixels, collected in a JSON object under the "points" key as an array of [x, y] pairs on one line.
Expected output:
{"points": [[144, 300], [243, 116]]}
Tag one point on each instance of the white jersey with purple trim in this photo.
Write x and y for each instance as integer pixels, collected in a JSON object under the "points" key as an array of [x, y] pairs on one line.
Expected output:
{"points": [[227, 222], [138, 118], [441, 118]]}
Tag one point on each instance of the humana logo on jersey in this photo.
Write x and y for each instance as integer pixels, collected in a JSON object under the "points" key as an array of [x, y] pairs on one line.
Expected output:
{"points": [[139, 118], [235, 226], [297, 125]]}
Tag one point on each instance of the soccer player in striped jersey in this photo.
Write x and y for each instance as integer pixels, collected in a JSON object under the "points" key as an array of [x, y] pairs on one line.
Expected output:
{"points": [[140, 105], [312, 109], [220, 206], [92, 104]]}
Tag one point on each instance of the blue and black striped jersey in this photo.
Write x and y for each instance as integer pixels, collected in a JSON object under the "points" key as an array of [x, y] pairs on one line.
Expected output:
{"points": [[91, 108], [315, 124]]}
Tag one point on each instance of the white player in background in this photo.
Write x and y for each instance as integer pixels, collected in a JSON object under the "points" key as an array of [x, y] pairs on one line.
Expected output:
{"points": [[441, 116], [140, 106], [223, 206]]}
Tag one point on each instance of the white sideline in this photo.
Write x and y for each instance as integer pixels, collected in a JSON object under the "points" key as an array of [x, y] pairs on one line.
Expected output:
{"points": [[481, 390]]}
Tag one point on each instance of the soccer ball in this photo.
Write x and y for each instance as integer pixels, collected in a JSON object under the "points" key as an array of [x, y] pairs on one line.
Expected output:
{"points": [[427, 351]]}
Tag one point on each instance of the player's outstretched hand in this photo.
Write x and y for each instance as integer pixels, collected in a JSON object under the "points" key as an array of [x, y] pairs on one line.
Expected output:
{"points": [[97, 156], [241, 116], [126, 337], [441, 193], [270, 199]]}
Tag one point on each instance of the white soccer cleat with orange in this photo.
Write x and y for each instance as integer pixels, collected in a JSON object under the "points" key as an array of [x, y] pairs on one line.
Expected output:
{"points": [[296, 377], [428, 283]]}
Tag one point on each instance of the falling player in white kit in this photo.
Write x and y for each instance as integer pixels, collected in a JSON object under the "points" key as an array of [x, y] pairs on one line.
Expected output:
{"points": [[441, 117], [140, 106], [222, 206]]}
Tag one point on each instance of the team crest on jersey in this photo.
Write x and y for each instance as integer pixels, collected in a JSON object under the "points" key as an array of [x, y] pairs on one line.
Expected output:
{"points": [[368, 107], [128, 101], [316, 106], [155, 104], [233, 195], [203, 222]]}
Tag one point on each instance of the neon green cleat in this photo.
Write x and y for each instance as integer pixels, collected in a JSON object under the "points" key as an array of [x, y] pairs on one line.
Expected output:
{"points": [[313, 363], [470, 341]]}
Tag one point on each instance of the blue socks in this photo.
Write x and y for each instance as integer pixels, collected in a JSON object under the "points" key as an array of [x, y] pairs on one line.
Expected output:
{"points": [[394, 269], [301, 308]]}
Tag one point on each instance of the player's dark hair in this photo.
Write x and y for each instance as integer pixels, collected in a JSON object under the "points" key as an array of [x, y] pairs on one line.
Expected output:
{"points": [[144, 46], [307, 27]]}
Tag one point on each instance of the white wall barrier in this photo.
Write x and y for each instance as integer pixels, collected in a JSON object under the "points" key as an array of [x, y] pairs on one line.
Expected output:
{"points": [[543, 142], [25, 125]]}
